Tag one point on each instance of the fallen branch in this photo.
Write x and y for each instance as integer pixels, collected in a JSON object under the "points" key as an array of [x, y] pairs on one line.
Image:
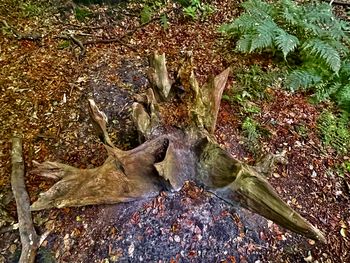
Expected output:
{"points": [[72, 38], [336, 2], [29, 238], [8, 228], [31, 37], [108, 41]]}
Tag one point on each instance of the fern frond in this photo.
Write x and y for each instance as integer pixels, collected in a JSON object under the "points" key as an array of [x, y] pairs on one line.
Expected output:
{"points": [[342, 97], [325, 90], [290, 12], [337, 30], [324, 51], [320, 13], [285, 42], [344, 72], [146, 14], [264, 36], [244, 44], [245, 23], [302, 78], [342, 49], [258, 7]]}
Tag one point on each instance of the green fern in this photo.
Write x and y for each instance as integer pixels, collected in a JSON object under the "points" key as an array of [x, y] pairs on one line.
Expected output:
{"points": [[260, 9], [250, 129], [164, 21], [302, 78], [244, 44], [251, 132], [342, 96], [290, 12], [325, 51], [285, 42], [312, 41], [264, 36]]}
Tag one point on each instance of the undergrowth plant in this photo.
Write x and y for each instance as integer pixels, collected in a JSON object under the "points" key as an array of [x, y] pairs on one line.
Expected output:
{"points": [[150, 9], [82, 13], [250, 87], [335, 130], [306, 36], [32, 8], [343, 169], [195, 8], [251, 132]]}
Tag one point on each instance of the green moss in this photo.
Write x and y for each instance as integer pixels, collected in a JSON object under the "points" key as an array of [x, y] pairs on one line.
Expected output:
{"points": [[334, 130]]}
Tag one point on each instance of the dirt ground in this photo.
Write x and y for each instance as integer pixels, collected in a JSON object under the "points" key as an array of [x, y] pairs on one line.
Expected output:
{"points": [[45, 85]]}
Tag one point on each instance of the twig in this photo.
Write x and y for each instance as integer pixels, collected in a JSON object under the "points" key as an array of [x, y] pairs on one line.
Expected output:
{"points": [[19, 36], [79, 44], [8, 228], [107, 41], [336, 2], [29, 238], [76, 41], [84, 27]]}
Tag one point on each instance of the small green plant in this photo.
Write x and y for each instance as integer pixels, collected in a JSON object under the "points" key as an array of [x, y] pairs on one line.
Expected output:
{"points": [[346, 166], [343, 169], [307, 37], [250, 129], [195, 9], [146, 14], [150, 9], [254, 81], [302, 130], [32, 9], [334, 130], [63, 44], [252, 84], [251, 132], [82, 14], [164, 21]]}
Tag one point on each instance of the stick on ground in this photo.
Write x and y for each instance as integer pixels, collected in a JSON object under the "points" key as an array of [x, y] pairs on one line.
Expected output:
{"points": [[29, 238]]}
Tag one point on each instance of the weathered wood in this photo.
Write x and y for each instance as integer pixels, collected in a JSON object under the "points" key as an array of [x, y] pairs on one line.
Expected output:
{"points": [[235, 181], [207, 101], [169, 157], [159, 75], [99, 121], [29, 238], [125, 176]]}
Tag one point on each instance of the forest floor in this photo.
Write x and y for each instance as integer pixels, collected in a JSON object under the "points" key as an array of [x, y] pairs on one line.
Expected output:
{"points": [[45, 85]]}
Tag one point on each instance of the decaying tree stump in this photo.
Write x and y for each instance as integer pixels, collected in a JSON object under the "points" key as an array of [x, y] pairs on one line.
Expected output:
{"points": [[169, 155]]}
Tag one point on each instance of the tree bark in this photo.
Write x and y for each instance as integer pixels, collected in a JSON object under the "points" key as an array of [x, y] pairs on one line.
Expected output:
{"points": [[169, 156]]}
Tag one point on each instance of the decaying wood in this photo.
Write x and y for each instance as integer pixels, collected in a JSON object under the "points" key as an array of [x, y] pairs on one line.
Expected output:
{"points": [[169, 156], [29, 238], [232, 180], [159, 75]]}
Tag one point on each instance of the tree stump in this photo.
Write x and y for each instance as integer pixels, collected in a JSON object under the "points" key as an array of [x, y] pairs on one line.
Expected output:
{"points": [[170, 155]]}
